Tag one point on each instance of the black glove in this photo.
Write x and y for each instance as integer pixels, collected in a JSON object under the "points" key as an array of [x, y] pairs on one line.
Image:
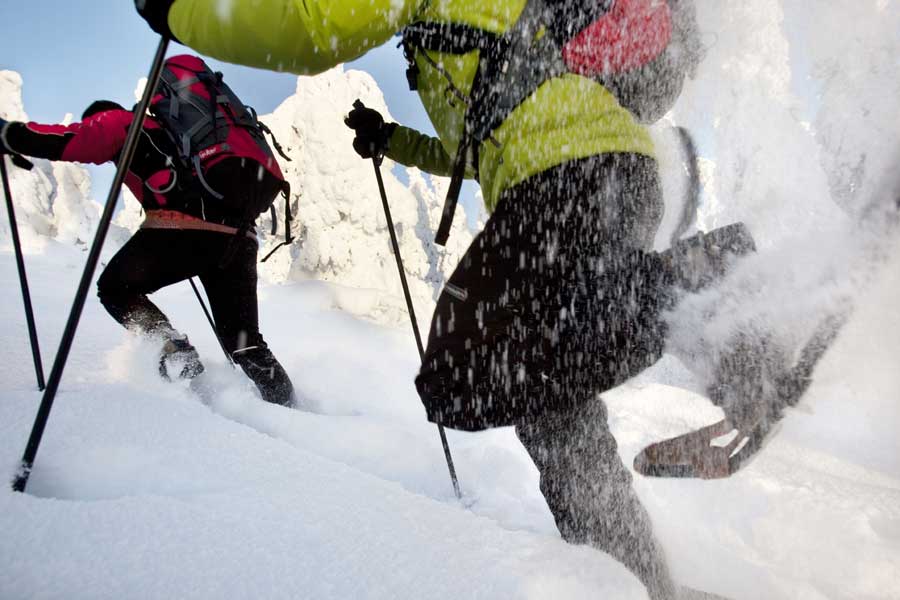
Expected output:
{"points": [[3, 148], [156, 13], [372, 133]]}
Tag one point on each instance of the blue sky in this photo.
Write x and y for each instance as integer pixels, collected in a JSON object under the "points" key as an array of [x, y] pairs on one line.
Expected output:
{"points": [[70, 53]]}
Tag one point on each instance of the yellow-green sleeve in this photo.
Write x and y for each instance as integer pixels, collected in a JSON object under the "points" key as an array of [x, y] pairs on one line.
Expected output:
{"points": [[414, 149], [300, 36]]}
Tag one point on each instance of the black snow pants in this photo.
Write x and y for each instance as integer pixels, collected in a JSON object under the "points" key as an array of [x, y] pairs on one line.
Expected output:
{"points": [[557, 300], [588, 490], [155, 258]]}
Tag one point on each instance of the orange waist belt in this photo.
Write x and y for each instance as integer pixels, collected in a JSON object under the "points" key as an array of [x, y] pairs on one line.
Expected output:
{"points": [[173, 219]]}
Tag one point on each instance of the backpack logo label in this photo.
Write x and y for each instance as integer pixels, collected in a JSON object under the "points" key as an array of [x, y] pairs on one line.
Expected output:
{"points": [[212, 150]]}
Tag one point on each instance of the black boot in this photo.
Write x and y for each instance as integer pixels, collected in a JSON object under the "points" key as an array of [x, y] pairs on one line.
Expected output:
{"points": [[266, 372], [177, 353], [698, 261]]}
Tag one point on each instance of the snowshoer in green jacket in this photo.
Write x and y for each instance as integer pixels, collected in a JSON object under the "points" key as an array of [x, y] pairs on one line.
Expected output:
{"points": [[558, 298]]}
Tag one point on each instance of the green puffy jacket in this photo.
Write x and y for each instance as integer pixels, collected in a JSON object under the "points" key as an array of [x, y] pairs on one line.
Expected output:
{"points": [[566, 118]]}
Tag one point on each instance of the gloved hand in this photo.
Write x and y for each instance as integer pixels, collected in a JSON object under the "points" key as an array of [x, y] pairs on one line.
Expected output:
{"points": [[3, 148], [156, 13], [372, 133], [6, 150]]}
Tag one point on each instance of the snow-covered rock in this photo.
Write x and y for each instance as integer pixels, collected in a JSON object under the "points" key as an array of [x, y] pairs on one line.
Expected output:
{"points": [[340, 224]]}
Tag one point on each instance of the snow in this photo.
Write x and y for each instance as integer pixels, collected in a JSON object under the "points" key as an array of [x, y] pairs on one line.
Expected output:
{"points": [[798, 139], [143, 490]]}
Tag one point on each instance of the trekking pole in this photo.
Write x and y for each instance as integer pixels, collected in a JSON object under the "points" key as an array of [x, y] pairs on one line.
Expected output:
{"points": [[376, 162], [692, 194], [20, 264], [65, 344], [211, 322]]}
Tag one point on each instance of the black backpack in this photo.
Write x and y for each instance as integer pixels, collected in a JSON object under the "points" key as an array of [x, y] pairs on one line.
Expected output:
{"points": [[208, 123]]}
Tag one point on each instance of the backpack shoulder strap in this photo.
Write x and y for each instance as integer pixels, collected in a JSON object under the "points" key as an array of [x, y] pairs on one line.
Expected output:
{"points": [[448, 38], [288, 238], [511, 68], [495, 93]]}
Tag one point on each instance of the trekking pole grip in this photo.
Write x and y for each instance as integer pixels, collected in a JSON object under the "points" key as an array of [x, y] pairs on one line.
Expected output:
{"points": [[377, 157]]}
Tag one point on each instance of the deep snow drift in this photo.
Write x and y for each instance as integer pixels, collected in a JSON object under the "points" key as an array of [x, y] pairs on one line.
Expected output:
{"points": [[141, 490]]}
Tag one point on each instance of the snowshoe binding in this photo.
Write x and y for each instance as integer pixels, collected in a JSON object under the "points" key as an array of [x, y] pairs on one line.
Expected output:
{"points": [[179, 356]]}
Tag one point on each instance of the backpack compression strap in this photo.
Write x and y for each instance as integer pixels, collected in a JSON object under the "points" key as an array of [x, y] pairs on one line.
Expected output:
{"points": [[286, 191], [177, 92]]}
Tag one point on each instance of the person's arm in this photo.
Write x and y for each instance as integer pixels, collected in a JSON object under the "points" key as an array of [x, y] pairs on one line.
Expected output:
{"points": [[375, 137], [414, 149], [300, 36], [97, 139]]}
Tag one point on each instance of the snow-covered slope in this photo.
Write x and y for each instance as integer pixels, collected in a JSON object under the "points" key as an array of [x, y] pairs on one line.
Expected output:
{"points": [[140, 490], [145, 492]]}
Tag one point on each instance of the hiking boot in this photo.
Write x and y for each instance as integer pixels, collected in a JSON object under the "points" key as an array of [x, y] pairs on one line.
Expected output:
{"points": [[179, 356], [698, 261], [266, 372]]}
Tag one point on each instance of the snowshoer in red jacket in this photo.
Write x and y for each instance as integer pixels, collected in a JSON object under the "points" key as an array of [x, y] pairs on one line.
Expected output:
{"points": [[185, 234]]}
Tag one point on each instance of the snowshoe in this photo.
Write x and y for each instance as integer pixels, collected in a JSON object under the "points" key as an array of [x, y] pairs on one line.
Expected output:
{"points": [[718, 450], [712, 452], [180, 356]]}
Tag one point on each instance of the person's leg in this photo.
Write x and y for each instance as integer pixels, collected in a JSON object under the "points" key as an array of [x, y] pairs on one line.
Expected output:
{"points": [[146, 263], [589, 492], [231, 290], [554, 299], [150, 260]]}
